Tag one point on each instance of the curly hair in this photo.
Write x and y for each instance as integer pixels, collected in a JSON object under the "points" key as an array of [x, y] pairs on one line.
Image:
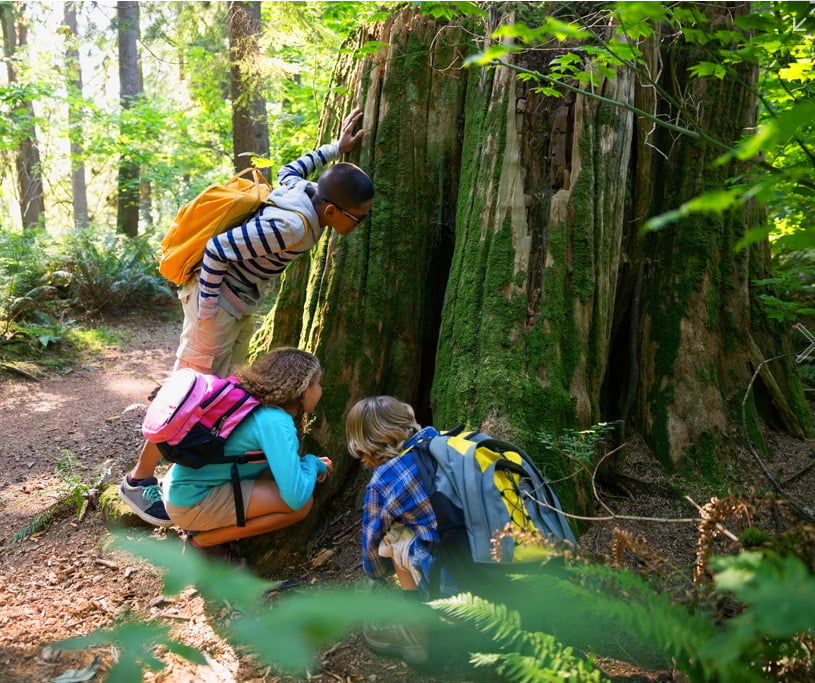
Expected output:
{"points": [[377, 427], [280, 378]]}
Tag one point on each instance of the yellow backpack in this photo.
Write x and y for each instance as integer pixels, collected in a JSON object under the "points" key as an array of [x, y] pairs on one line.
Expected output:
{"points": [[215, 210]]}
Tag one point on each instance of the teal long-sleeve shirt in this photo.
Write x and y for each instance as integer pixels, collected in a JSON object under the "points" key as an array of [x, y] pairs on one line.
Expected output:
{"points": [[270, 430]]}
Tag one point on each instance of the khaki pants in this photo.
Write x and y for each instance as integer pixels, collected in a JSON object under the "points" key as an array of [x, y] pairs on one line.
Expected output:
{"points": [[213, 346]]}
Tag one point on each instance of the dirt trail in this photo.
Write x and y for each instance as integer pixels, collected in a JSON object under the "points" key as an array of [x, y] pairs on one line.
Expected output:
{"points": [[60, 582]]}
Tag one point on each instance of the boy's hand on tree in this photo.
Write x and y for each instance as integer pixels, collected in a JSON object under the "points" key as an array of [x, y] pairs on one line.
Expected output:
{"points": [[348, 138]]}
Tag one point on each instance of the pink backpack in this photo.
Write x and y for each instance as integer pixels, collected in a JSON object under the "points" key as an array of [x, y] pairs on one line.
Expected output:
{"points": [[191, 417]]}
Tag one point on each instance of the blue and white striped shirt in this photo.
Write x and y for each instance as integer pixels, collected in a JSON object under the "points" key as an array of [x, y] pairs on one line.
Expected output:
{"points": [[237, 262]]}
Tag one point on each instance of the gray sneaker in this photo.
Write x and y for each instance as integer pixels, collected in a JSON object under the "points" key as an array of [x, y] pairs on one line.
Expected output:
{"points": [[397, 640], [144, 499]]}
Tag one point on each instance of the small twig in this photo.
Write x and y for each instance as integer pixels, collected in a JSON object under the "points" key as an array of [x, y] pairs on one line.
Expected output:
{"points": [[800, 472], [612, 516], [594, 477], [800, 508], [348, 530]]}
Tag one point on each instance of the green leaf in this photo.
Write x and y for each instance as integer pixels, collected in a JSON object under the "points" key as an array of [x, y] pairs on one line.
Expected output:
{"points": [[780, 596], [661, 221], [715, 201], [519, 31], [563, 31], [703, 69], [753, 236], [136, 642], [492, 53], [755, 21], [637, 19], [796, 241], [794, 119], [450, 10]]}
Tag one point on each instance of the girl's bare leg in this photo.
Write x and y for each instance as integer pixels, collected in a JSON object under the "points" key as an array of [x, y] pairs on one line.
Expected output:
{"points": [[148, 461]]}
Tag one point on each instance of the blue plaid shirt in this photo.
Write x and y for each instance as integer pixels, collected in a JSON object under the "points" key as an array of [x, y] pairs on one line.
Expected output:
{"points": [[395, 494]]}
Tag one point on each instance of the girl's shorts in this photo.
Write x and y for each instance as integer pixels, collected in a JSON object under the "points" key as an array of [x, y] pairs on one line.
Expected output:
{"points": [[215, 511]]}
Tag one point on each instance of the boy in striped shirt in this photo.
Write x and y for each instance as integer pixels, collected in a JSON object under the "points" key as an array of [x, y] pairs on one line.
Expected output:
{"points": [[219, 301]]}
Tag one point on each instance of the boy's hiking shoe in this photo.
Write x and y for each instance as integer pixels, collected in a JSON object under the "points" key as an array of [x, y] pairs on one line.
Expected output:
{"points": [[144, 498], [396, 640]]}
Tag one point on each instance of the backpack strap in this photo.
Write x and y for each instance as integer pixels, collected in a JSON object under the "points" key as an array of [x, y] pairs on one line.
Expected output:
{"points": [[427, 465], [306, 224], [237, 492]]}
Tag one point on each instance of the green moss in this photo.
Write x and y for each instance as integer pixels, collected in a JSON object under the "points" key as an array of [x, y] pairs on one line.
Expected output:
{"points": [[660, 402], [753, 428], [753, 537], [703, 467], [582, 229]]}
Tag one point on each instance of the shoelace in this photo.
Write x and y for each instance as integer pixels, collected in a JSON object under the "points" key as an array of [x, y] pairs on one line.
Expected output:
{"points": [[152, 492]]}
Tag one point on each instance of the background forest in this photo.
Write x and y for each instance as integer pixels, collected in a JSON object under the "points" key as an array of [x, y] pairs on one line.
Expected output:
{"points": [[591, 226]]}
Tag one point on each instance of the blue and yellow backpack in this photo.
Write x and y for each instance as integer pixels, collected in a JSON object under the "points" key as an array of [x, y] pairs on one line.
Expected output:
{"points": [[480, 486]]}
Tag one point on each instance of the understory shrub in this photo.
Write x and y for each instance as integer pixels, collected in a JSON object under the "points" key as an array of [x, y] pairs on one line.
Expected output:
{"points": [[30, 284], [110, 272]]}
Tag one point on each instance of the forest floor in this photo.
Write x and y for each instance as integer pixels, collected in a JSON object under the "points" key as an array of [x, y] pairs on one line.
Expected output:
{"points": [[61, 582]]}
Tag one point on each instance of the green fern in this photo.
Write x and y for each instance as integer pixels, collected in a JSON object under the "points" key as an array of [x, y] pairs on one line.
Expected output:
{"points": [[619, 614], [526, 656], [73, 493], [41, 521], [598, 608]]}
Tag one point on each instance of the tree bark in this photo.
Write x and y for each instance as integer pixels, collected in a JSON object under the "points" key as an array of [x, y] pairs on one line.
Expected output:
{"points": [[500, 280], [79, 195], [700, 320], [130, 90], [250, 133], [27, 160]]}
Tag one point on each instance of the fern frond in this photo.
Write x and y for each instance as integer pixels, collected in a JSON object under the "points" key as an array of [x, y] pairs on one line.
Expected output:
{"points": [[526, 656], [599, 604], [712, 515], [72, 497], [44, 518], [487, 616], [528, 669]]}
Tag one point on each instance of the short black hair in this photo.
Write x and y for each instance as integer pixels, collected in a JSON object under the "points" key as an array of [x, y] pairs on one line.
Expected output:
{"points": [[346, 184]]}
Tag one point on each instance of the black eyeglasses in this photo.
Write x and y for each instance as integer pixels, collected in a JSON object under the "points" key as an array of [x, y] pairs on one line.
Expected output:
{"points": [[357, 219]]}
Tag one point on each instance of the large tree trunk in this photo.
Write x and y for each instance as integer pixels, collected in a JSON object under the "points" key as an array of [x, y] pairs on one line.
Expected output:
{"points": [[79, 194], [27, 159], [250, 132], [698, 324], [130, 90], [500, 281]]}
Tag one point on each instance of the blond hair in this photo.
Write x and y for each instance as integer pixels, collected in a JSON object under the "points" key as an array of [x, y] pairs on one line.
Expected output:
{"points": [[280, 378], [377, 427]]}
